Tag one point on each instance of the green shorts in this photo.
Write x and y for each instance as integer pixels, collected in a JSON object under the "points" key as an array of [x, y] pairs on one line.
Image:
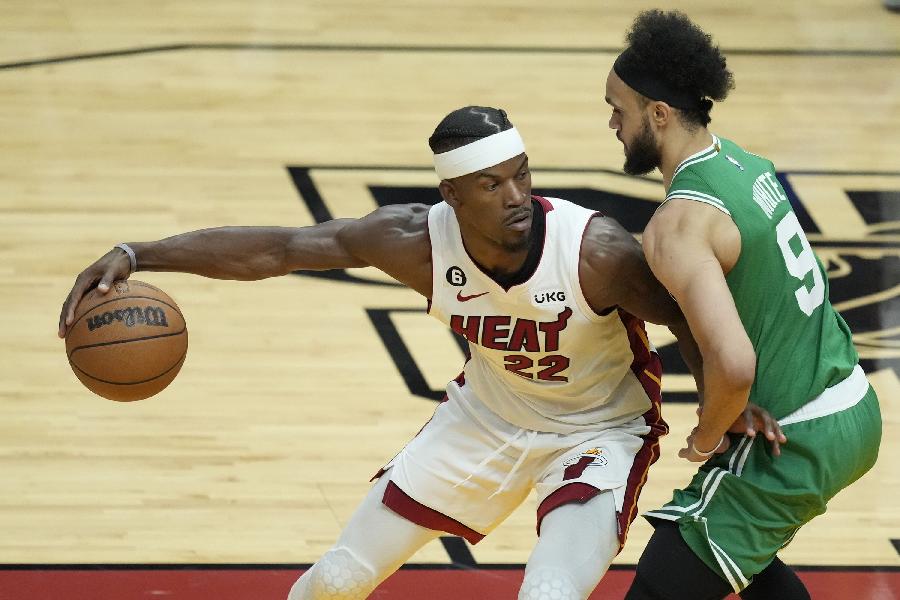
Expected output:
{"points": [[745, 505]]}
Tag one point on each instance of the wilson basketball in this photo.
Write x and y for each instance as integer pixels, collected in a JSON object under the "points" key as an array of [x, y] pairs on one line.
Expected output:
{"points": [[127, 344]]}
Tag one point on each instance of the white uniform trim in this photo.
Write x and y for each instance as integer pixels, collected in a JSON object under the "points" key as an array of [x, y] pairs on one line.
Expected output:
{"points": [[721, 556], [712, 490], [662, 515], [740, 465], [698, 197], [735, 577], [838, 397], [705, 154], [737, 451], [710, 477]]}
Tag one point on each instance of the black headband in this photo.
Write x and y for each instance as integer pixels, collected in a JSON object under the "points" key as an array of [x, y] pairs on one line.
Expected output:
{"points": [[628, 68]]}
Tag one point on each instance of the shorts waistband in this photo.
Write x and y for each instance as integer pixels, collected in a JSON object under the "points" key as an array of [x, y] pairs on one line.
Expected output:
{"points": [[838, 397]]}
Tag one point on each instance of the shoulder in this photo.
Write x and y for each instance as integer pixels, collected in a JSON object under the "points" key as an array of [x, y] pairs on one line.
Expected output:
{"points": [[677, 218], [682, 224], [614, 272], [607, 247], [398, 231], [406, 217], [392, 222], [693, 183], [694, 200], [395, 240]]}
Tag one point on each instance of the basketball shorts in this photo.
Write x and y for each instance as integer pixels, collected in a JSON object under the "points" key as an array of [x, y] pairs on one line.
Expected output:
{"points": [[468, 469], [744, 505]]}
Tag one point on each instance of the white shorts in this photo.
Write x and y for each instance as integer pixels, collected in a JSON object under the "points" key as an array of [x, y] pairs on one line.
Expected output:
{"points": [[468, 469]]}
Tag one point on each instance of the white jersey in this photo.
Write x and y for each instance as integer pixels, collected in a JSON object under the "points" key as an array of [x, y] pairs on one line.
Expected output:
{"points": [[541, 358]]}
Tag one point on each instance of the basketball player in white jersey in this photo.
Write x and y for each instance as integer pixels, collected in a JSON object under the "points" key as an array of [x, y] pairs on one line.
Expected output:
{"points": [[561, 393]]}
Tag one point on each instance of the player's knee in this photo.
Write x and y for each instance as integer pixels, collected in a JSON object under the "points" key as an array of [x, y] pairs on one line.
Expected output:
{"points": [[550, 583], [338, 575]]}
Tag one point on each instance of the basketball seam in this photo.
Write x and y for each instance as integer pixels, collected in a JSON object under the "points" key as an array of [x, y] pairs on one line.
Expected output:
{"points": [[128, 341], [86, 374], [173, 307]]}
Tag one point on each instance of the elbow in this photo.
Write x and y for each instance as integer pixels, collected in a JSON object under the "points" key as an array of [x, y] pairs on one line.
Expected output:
{"points": [[736, 366], [732, 365], [742, 377]]}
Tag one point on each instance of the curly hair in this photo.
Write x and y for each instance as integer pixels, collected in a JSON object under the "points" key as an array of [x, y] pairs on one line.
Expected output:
{"points": [[466, 125], [673, 50]]}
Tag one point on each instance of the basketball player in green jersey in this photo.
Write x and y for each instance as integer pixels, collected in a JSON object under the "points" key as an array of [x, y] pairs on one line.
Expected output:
{"points": [[729, 248]]}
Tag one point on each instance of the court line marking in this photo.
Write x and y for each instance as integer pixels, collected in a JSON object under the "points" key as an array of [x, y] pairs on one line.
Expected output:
{"points": [[789, 52]]}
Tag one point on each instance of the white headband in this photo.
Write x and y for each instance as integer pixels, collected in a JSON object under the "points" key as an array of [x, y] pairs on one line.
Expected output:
{"points": [[480, 154]]}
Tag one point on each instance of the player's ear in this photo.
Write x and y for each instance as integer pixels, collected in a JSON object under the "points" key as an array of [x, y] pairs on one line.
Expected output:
{"points": [[448, 193], [661, 113]]}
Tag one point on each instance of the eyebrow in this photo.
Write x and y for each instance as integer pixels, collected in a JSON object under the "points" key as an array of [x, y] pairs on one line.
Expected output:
{"points": [[492, 176]]}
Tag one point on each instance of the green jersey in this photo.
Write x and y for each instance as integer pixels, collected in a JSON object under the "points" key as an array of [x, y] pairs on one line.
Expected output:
{"points": [[778, 284]]}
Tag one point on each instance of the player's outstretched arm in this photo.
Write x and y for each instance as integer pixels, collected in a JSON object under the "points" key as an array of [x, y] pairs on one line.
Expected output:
{"points": [[389, 238]]}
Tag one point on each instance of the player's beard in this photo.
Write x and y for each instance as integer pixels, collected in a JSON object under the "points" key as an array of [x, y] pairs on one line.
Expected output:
{"points": [[642, 155], [518, 244]]}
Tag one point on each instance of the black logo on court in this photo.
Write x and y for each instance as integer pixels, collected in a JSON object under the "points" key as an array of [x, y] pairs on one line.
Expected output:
{"points": [[455, 276]]}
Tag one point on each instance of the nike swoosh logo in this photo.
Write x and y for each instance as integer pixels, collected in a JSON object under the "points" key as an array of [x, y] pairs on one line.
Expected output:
{"points": [[462, 298]]}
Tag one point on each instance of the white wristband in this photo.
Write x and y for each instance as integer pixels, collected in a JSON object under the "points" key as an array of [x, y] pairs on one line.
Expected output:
{"points": [[131, 257], [711, 452]]}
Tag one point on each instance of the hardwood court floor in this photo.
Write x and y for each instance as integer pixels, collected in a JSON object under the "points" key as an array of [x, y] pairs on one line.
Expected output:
{"points": [[133, 121]]}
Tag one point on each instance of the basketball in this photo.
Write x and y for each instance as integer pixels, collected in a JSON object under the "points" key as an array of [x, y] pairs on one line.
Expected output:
{"points": [[127, 344]]}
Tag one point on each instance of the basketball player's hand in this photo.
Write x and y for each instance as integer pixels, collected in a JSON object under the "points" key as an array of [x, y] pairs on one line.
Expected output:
{"points": [[112, 266], [755, 419], [693, 454]]}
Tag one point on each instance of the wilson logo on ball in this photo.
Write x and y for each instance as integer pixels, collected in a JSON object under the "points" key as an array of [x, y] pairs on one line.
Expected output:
{"points": [[154, 316]]}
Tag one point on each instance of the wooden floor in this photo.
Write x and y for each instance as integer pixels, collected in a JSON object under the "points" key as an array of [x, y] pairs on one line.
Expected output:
{"points": [[130, 121]]}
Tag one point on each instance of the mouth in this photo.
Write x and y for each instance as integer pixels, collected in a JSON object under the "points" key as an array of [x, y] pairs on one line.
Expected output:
{"points": [[519, 220]]}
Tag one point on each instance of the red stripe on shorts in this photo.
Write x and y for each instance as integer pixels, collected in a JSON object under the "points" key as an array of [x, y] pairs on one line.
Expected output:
{"points": [[405, 506], [575, 492], [411, 510], [648, 370], [577, 470]]}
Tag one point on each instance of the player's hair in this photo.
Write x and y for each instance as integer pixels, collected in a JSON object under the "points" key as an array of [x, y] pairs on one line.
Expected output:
{"points": [[466, 125], [676, 52]]}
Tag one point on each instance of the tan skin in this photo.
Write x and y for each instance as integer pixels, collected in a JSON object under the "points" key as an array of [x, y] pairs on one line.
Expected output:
{"points": [[493, 208], [691, 247]]}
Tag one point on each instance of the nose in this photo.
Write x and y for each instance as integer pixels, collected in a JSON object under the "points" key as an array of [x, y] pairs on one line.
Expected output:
{"points": [[513, 195]]}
